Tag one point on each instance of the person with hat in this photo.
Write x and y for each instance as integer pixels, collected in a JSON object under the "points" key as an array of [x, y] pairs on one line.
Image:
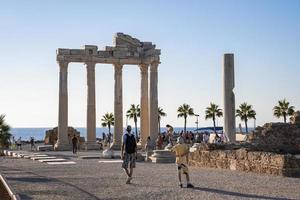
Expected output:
{"points": [[182, 151], [128, 153]]}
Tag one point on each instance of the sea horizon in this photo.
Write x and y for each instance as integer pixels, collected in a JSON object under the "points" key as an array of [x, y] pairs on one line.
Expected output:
{"points": [[39, 132]]}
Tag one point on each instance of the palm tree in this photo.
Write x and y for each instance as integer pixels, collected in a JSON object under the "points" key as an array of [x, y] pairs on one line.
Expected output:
{"points": [[184, 111], [212, 112], [133, 113], [161, 113], [4, 132], [108, 120], [245, 112], [283, 109]]}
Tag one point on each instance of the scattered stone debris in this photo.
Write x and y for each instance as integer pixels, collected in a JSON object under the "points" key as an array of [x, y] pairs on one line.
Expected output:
{"points": [[271, 149]]}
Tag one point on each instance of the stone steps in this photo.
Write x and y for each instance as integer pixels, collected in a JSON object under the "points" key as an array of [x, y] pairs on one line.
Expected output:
{"points": [[42, 158], [52, 160], [110, 161], [61, 163]]}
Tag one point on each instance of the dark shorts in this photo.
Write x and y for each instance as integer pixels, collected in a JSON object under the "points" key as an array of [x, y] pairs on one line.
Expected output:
{"points": [[128, 159], [183, 168]]}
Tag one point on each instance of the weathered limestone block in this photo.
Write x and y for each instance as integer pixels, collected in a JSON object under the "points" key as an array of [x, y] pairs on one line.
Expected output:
{"points": [[123, 39], [277, 160], [120, 54], [105, 54], [295, 119], [62, 51], [231, 154], [223, 154], [51, 136], [248, 161], [242, 154], [163, 156], [232, 164], [45, 148], [77, 52], [277, 137]]}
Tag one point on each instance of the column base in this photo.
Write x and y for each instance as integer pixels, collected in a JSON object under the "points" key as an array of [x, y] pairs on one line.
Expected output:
{"points": [[91, 146], [140, 146], [62, 147], [115, 146]]}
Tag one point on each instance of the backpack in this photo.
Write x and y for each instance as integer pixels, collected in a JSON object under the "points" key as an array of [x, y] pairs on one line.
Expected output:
{"points": [[130, 144]]}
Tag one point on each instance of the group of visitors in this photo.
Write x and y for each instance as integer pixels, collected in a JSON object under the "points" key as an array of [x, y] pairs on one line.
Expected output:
{"points": [[17, 144], [129, 154], [165, 138], [107, 139]]}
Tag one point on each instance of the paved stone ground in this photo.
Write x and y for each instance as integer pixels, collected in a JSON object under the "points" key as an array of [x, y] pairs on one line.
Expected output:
{"points": [[89, 179]]}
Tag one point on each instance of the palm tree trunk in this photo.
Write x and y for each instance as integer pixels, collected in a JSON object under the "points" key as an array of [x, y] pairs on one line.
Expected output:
{"points": [[159, 126], [184, 124], [246, 126], [284, 117], [108, 128], [136, 134], [214, 120]]}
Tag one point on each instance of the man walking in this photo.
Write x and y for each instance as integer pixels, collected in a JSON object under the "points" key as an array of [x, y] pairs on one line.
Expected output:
{"points": [[32, 145], [129, 156], [182, 151], [74, 144]]}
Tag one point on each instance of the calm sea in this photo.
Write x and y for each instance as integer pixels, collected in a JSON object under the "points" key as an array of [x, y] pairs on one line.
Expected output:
{"points": [[39, 133]]}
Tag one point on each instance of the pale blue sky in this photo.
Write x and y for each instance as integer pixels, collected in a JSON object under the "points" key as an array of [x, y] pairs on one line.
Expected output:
{"points": [[193, 36]]}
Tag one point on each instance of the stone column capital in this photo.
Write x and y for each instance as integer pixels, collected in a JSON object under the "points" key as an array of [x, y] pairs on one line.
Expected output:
{"points": [[118, 67], [144, 68], [63, 66], [154, 66], [90, 64]]}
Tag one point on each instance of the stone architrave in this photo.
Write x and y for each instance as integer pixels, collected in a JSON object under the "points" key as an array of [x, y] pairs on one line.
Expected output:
{"points": [[91, 107], [153, 104], [118, 112], [144, 105], [229, 98], [62, 141]]}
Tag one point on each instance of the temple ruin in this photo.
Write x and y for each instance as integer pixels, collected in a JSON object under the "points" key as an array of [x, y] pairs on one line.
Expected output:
{"points": [[126, 51]]}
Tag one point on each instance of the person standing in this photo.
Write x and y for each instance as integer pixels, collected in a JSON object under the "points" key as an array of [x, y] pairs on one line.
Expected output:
{"points": [[159, 142], [103, 136], [74, 144], [32, 145], [128, 153], [13, 142], [170, 131], [148, 148], [182, 152], [19, 143]]}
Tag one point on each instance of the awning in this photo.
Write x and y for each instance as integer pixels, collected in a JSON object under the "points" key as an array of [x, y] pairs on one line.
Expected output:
{"points": [[218, 128]]}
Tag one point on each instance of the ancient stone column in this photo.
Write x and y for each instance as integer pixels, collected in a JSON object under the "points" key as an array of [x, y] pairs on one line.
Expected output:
{"points": [[153, 105], [118, 129], [229, 98], [144, 123], [91, 107], [63, 142]]}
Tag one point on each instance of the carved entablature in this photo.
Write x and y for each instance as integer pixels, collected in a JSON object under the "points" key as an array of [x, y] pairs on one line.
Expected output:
{"points": [[127, 50]]}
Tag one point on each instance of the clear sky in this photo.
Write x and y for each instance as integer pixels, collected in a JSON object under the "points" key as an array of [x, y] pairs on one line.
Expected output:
{"points": [[264, 35]]}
